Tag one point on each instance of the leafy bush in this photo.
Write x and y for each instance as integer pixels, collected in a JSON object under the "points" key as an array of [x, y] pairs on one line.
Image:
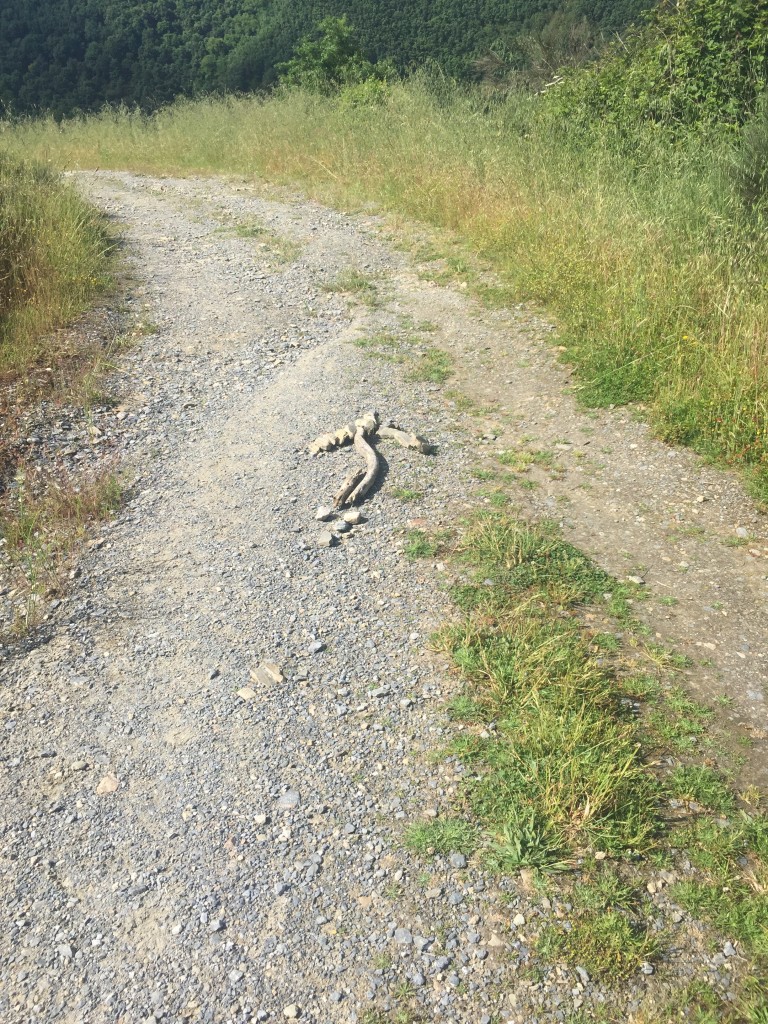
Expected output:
{"points": [[330, 60], [693, 62]]}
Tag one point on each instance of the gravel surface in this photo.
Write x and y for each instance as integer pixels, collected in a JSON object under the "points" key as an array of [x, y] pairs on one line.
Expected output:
{"points": [[185, 838]]}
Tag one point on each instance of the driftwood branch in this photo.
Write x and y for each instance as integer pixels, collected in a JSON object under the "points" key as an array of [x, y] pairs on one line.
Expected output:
{"points": [[360, 481], [351, 482], [371, 467]]}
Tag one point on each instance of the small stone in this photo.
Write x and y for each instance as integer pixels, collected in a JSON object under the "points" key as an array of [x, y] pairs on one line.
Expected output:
{"points": [[403, 937], [292, 1012], [418, 980], [337, 996], [518, 920], [281, 889], [637, 580], [235, 976], [216, 925], [583, 976], [316, 647], [288, 801], [323, 514], [742, 531], [261, 819], [729, 949], [267, 674], [646, 968], [442, 962], [65, 951], [433, 894], [455, 898], [78, 766], [343, 527], [246, 693], [325, 539], [107, 785], [420, 943], [380, 691], [177, 929], [458, 860], [353, 517]]}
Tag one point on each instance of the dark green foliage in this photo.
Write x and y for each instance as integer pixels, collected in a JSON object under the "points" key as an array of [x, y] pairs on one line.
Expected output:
{"points": [[328, 59], [693, 62], [67, 55]]}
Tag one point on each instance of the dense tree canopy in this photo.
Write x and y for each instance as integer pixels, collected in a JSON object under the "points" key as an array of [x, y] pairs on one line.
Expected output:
{"points": [[64, 55]]}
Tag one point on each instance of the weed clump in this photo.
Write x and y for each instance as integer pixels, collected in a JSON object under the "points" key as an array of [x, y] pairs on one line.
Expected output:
{"points": [[54, 257]]}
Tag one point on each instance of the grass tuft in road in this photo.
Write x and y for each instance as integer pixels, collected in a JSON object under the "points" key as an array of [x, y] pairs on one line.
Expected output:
{"points": [[433, 366], [443, 836], [40, 525], [563, 769], [603, 942]]}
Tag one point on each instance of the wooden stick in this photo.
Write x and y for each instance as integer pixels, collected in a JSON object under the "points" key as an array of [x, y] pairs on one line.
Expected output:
{"points": [[347, 487], [372, 467]]}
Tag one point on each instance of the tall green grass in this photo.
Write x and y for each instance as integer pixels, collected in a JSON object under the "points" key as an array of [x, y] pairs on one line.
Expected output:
{"points": [[641, 251], [54, 256]]}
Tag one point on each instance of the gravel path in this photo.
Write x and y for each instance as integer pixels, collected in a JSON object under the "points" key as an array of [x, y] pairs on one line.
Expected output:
{"points": [[173, 850]]}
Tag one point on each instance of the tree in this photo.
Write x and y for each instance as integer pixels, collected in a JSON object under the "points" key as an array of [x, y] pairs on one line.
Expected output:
{"points": [[328, 59]]}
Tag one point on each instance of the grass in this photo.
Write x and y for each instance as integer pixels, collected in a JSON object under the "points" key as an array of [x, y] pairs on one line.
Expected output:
{"points": [[54, 258], [563, 769], [382, 346], [520, 460], [433, 366], [637, 249], [567, 754], [442, 836], [354, 282], [604, 942], [41, 523], [406, 494], [419, 544]]}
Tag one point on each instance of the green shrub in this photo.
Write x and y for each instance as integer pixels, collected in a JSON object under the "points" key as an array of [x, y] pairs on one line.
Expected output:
{"points": [[694, 61]]}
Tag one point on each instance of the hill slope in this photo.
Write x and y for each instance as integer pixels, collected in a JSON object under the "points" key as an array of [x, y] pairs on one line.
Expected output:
{"points": [[62, 55]]}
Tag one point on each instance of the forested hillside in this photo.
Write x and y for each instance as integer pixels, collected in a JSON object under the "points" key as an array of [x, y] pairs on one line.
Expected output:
{"points": [[64, 55]]}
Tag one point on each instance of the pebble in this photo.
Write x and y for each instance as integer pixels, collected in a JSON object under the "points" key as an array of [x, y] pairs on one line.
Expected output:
{"points": [[323, 514], [458, 860], [292, 1011], [289, 800], [325, 539]]}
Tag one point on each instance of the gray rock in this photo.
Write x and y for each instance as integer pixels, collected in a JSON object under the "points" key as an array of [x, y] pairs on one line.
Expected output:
{"points": [[403, 937], [458, 860], [323, 514], [289, 800], [325, 539]]}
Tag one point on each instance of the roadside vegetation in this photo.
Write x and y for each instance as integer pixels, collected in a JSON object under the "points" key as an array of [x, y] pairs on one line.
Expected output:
{"points": [[54, 258], [589, 767]]}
